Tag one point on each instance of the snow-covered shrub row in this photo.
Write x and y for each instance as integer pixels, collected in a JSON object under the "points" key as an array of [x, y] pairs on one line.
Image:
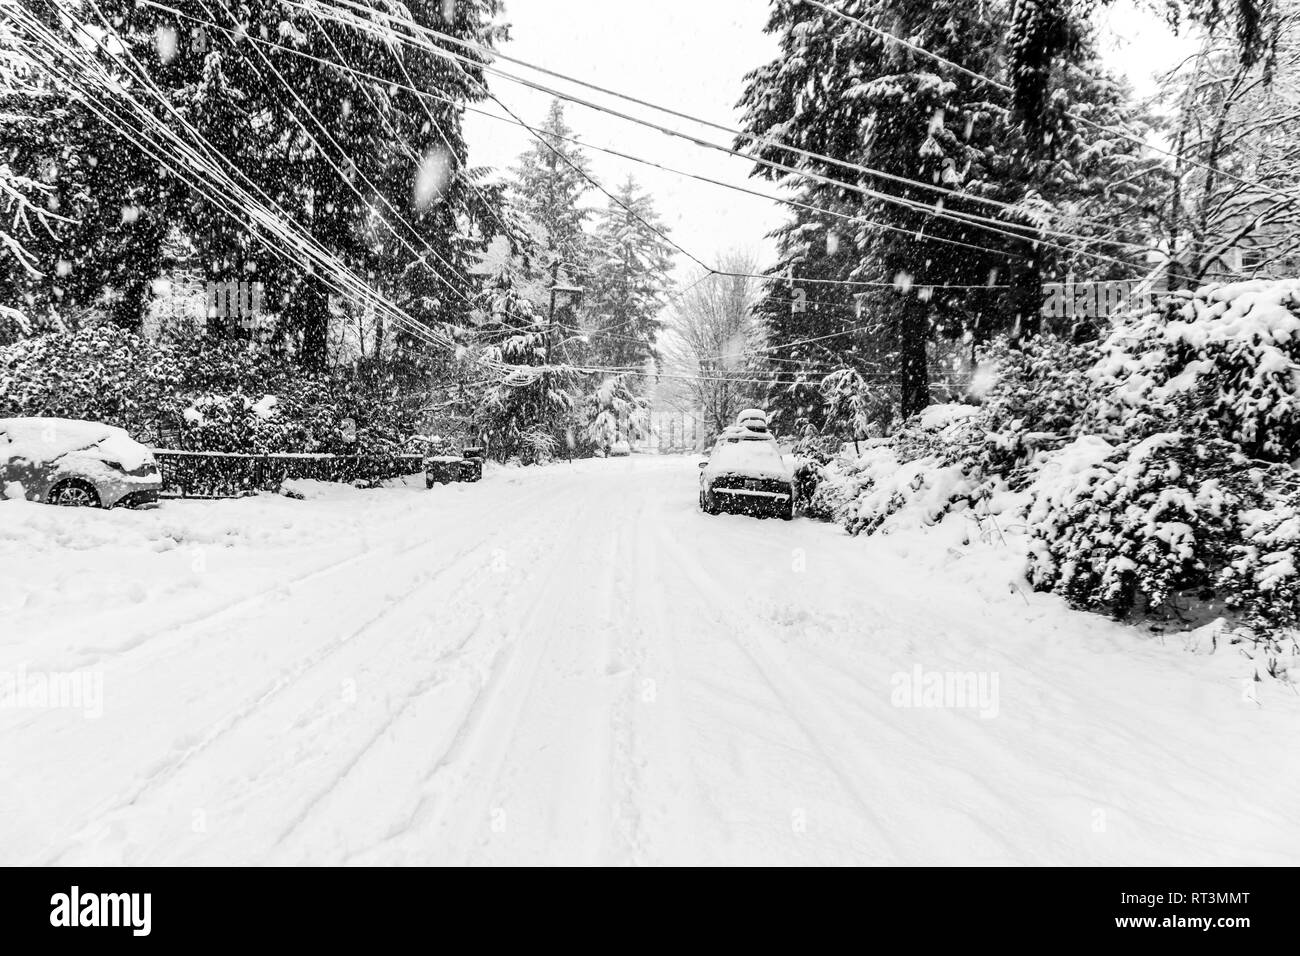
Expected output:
{"points": [[1155, 469], [884, 483], [1260, 580], [1197, 403], [956, 455], [203, 395]]}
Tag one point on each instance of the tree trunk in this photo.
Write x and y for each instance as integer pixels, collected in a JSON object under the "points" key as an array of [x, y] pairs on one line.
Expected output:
{"points": [[1026, 299], [315, 323], [914, 375]]}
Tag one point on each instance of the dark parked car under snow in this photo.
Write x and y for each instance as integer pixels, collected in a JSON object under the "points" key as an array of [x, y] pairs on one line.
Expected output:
{"points": [[745, 474]]}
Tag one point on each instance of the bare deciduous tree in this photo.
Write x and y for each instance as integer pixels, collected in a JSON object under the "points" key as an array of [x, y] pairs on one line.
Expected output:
{"points": [[1235, 206], [711, 347]]}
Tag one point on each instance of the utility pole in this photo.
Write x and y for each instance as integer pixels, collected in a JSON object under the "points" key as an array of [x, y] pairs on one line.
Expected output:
{"points": [[550, 324], [576, 294]]}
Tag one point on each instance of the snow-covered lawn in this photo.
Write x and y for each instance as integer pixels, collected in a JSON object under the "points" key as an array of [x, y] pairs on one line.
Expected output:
{"points": [[574, 665]]}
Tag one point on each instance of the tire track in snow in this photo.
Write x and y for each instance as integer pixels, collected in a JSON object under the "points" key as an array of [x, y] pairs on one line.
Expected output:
{"points": [[159, 775], [663, 796], [791, 700], [471, 765], [899, 791], [281, 590]]}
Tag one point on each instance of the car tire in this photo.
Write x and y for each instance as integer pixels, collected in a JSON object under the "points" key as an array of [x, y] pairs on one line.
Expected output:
{"points": [[705, 505], [786, 513], [74, 493]]}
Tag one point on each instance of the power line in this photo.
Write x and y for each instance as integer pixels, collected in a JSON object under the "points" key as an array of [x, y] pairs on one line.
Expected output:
{"points": [[980, 77], [342, 175], [354, 165], [761, 141], [980, 222], [308, 252], [798, 204], [542, 137]]}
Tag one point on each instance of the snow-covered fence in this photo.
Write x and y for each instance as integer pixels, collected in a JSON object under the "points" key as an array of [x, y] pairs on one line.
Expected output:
{"points": [[216, 474]]}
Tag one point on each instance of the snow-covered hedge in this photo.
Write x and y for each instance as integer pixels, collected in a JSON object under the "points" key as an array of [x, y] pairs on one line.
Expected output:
{"points": [[1260, 580], [203, 395], [1200, 398], [1154, 470]]}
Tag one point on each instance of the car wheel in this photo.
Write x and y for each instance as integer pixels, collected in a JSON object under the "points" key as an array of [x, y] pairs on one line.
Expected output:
{"points": [[708, 506], [74, 494]]}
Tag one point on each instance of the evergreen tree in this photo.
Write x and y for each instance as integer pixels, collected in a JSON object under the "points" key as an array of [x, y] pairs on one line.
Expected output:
{"points": [[524, 413], [550, 186], [374, 171], [839, 90], [629, 278], [113, 199]]}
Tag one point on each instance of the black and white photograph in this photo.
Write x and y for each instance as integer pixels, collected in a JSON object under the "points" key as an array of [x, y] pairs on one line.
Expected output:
{"points": [[558, 433]]}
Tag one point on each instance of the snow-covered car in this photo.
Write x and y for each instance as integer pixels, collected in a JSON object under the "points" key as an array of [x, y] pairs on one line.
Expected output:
{"points": [[745, 474], [81, 464], [620, 449]]}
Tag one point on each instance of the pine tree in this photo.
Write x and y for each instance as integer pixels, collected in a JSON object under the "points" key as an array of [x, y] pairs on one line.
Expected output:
{"points": [[629, 279], [842, 91], [114, 200], [550, 185], [278, 99]]}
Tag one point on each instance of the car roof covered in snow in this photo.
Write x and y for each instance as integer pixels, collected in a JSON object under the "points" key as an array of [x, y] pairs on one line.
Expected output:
{"points": [[45, 439], [744, 433]]}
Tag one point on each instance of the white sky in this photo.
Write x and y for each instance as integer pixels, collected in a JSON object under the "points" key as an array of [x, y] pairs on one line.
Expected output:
{"points": [[692, 55]]}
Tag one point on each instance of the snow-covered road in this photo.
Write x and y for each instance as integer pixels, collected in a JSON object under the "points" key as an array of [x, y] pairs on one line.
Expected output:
{"points": [[574, 665]]}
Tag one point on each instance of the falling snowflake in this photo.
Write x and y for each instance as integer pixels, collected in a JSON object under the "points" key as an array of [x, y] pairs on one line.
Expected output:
{"points": [[165, 41], [432, 177]]}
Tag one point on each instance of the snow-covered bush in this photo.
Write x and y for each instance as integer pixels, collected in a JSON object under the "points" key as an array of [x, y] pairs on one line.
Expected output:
{"points": [[98, 373], [1223, 361], [1034, 395], [1155, 470], [1186, 490], [1134, 528], [827, 491], [1260, 581], [919, 474], [920, 491], [612, 413]]}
